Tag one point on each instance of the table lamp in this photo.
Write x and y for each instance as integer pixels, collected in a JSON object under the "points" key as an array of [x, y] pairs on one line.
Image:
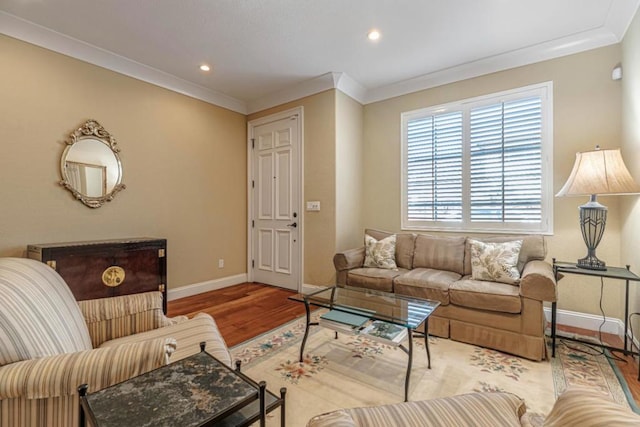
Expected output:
{"points": [[597, 172]]}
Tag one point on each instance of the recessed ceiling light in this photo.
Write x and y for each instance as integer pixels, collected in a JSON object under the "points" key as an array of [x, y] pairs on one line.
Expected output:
{"points": [[373, 35], [205, 67]]}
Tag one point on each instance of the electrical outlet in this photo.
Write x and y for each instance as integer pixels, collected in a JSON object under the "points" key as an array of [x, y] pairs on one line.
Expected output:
{"points": [[313, 205], [220, 263]]}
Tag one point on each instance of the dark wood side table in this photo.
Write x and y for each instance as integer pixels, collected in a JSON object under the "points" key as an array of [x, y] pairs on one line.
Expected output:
{"points": [[619, 273], [196, 391]]}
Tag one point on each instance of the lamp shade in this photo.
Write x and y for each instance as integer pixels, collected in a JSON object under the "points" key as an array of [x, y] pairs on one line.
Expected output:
{"points": [[599, 172]]}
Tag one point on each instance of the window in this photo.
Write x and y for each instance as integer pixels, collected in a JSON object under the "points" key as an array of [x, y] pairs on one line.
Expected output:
{"points": [[482, 164]]}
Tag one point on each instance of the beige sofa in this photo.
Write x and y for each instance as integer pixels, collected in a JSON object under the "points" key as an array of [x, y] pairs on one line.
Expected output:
{"points": [[575, 407], [501, 316]]}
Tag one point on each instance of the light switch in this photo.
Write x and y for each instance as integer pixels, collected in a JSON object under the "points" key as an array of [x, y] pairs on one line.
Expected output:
{"points": [[313, 206]]}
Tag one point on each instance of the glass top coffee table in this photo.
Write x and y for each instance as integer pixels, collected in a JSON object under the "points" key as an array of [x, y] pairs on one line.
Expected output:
{"points": [[406, 312]]}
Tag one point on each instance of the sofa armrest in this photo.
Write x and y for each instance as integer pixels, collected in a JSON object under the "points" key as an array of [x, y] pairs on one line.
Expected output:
{"points": [[347, 260], [538, 282], [110, 318], [60, 375]]}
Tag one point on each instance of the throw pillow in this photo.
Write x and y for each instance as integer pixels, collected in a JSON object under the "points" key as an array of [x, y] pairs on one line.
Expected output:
{"points": [[380, 253], [495, 262]]}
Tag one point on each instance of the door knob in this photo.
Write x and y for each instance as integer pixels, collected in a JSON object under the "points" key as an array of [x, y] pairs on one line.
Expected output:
{"points": [[293, 225]]}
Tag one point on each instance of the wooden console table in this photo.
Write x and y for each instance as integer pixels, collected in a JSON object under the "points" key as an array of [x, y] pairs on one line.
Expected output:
{"points": [[108, 268], [618, 273]]}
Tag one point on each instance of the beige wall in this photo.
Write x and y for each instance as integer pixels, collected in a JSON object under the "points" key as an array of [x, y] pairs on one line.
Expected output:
{"points": [[184, 164], [587, 108], [349, 143], [630, 243], [319, 182]]}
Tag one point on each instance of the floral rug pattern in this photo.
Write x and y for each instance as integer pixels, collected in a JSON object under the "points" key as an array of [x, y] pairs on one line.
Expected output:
{"points": [[495, 361], [356, 371], [293, 371]]}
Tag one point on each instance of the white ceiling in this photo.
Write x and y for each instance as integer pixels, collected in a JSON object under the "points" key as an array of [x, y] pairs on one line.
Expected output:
{"points": [[267, 52]]}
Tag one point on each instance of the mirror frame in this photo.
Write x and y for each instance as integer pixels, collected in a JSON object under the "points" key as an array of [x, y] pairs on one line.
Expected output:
{"points": [[91, 129]]}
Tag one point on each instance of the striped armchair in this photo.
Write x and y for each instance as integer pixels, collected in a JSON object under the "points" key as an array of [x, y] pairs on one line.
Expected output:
{"points": [[50, 343]]}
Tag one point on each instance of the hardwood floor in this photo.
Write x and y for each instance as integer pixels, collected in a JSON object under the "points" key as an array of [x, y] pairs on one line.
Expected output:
{"points": [[241, 311], [250, 309]]}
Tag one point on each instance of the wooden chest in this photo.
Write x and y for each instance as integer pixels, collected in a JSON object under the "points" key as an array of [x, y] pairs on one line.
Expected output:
{"points": [[107, 268]]}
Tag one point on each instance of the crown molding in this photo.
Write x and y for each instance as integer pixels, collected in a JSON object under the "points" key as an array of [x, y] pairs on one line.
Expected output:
{"points": [[351, 87], [306, 88], [617, 22], [620, 15], [29, 32], [541, 52], [327, 81]]}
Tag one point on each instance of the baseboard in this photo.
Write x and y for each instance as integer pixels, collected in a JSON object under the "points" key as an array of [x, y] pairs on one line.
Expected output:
{"points": [[591, 322], [209, 285]]}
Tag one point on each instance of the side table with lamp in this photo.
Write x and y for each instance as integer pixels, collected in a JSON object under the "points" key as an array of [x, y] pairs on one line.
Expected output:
{"points": [[597, 172]]}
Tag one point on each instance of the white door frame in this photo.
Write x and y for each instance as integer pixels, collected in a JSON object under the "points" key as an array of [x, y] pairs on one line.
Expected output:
{"points": [[299, 209]]}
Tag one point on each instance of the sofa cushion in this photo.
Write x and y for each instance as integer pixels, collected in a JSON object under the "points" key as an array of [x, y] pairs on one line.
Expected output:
{"points": [[588, 408], [491, 296], [405, 243], [379, 279], [533, 248], [495, 262], [380, 253], [473, 409], [39, 316], [439, 253], [426, 283]]}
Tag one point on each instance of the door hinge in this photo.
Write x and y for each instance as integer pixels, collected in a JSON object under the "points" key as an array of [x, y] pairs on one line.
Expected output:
{"points": [[160, 253], [253, 264], [253, 224], [253, 143], [253, 184]]}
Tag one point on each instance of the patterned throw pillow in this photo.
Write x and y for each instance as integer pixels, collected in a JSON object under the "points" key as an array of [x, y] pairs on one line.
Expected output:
{"points": [[380, 254], [495, 262]]}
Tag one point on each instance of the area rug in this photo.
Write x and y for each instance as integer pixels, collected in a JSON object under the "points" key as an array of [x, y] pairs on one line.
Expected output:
{"points": [[353, 371]]}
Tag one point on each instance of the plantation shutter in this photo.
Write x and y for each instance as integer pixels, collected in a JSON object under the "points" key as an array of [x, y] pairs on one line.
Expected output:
{"points": [[506, 161], [434, 168]]}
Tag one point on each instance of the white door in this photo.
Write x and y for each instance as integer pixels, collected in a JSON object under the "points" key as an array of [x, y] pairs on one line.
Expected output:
{"points": [[275, 223]]}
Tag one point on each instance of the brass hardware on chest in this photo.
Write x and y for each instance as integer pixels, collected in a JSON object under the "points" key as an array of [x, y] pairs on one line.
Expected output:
{"points": [[160, 253], [113, 276], [52, 263]]}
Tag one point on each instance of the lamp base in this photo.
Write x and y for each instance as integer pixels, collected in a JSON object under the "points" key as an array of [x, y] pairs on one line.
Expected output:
{"points": [[591, 263], [593, 218]]}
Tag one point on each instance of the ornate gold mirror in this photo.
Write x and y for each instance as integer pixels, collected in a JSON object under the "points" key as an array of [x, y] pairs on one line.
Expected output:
{"points": [[90, 165]]}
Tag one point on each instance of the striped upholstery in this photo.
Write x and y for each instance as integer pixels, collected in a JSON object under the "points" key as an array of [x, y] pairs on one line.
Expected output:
{"points": [[588, 408], [39, 316], [111, 318], [466, 410], [188, 335], [42, 392], [46, 347]]}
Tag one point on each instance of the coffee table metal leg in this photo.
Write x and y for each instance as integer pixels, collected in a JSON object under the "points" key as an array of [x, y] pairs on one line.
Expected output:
{"points": [[306, 329], [426, 341], [409, 364], [263, 412], [283, 395]]}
